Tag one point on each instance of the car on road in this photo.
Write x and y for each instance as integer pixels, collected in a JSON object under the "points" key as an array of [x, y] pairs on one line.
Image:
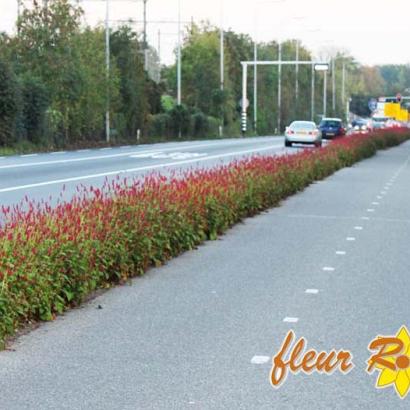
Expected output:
{"points": [[379, 123], [331, 128], [303, 132], [360, 126]]}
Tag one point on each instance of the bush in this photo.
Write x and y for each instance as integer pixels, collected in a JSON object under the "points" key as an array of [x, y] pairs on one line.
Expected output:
{"points": [[159, 125], [52, 258], [9, 107], [35, 101]]}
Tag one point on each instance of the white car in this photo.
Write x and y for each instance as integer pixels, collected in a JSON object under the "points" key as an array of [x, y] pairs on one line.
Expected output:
{"points": [[303, 132]]}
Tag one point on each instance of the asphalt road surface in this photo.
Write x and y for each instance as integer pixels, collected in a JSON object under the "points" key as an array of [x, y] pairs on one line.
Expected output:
{"points": [[199, 332], [40, 176]]}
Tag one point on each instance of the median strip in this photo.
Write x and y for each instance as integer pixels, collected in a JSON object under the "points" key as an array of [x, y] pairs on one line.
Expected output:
{"points": [[53, 258]]}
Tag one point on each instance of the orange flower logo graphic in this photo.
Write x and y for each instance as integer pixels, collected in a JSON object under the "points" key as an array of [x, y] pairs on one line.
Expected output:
{"points": [[393, 361]]}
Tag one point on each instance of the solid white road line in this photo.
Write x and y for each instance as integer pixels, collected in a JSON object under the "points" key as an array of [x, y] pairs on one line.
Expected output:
{"points": [[131, 170], [260, 359]]}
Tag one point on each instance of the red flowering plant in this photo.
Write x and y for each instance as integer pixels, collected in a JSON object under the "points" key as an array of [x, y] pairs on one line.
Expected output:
{"points": [[52, 258]]}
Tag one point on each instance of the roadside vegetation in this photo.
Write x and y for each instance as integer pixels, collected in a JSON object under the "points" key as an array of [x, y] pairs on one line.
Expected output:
{"points": [[53, 258], [53, 83]]}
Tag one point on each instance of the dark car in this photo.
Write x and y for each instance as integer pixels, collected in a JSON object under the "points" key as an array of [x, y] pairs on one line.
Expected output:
{"points": [[331, 128]]}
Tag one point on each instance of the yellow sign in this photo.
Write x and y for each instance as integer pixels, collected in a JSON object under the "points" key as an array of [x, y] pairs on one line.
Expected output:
{"points": [[393, 361]]}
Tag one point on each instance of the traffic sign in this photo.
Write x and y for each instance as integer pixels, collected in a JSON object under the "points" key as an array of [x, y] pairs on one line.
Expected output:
{"points": [[373, 104]]}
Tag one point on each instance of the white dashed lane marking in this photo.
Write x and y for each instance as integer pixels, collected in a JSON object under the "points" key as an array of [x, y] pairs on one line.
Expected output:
{"points": [[341, 253], [260, 359], [291, 319], [370, 210], [358, 228], [350, 239], [329, 269], [312, 291]]}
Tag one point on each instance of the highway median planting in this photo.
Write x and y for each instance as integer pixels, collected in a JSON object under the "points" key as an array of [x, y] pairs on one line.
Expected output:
{"points": [[54, 258]]}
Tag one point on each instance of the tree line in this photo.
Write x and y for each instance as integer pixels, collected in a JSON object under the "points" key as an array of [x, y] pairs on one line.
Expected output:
{"points": [[54, 88]]}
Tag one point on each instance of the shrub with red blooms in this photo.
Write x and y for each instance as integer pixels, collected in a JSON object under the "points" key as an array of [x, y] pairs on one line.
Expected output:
{"points": [[53, 258]]}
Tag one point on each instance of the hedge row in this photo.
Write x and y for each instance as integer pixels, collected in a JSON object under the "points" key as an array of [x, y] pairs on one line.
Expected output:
{"points": [[53, 258]]}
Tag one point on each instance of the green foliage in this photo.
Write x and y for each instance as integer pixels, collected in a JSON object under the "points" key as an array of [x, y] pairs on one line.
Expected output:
{"points": [[180, 120], [35, 102], [9, 97], [52, 258]]}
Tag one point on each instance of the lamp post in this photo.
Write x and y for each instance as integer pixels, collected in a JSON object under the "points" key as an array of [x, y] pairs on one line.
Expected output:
{"points": [[179, 60], [107, 67], [222, 70], [107, 57]]}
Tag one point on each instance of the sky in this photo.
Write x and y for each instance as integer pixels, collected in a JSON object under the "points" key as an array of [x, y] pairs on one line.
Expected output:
{"points": [[374, 32]]}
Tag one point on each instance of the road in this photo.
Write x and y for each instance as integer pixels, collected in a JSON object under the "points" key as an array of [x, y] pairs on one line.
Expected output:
{"points": [[40, 175], [333, 260]]}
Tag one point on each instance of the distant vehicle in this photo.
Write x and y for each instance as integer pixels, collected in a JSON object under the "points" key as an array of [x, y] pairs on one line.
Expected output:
{"points": [[331, 128], [380, 123], [304, 132], [361, 126]]}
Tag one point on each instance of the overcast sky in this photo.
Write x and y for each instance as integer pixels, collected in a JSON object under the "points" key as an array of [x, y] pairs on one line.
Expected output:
{"points": [[374, 32]]}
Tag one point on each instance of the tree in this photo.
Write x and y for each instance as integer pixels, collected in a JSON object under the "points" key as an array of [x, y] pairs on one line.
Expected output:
{"points": [[9, 96]]}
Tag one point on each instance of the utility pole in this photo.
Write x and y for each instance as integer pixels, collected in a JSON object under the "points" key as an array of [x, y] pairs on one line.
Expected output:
{"points": [[324, 93], [312, 102], [159, 44], [222, 69], [145, 37], [333, 86], [344, 83], [297, 74], [255, 86], [107, 63], [179, 73], [279, 88]]}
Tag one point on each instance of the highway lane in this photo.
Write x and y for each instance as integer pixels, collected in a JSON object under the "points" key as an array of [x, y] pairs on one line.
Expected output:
{"points": [[40, 175], [187, 335]]}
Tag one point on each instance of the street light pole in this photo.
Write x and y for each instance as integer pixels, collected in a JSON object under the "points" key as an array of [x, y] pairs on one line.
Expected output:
{"points": [[179, 73], [222, 69], [325, 93], [344, 83], [107, 63], [145, 37], [297, 72], [334, 86], [312, 103], [255, 86], [279, 87]]}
